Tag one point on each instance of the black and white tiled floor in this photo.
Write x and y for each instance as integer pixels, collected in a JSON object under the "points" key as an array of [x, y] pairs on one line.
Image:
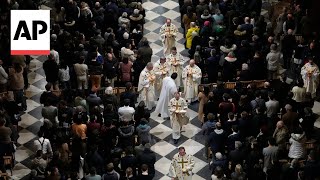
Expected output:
{"points": [[156, 13]]}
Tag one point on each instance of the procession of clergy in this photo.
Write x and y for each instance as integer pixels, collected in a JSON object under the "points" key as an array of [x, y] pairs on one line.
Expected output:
{"points": [[161, 81]]}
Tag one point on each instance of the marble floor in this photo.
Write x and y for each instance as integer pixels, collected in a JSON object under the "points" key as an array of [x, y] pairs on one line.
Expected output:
{"points": [[156, 13]]}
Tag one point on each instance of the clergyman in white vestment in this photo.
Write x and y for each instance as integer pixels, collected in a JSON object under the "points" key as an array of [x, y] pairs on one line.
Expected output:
{"points": [[191, 76], [178, 116], [176, 61], [181, 166], [168, 33], [168, 90], [310, 76], [146, 86], [161, 69]]}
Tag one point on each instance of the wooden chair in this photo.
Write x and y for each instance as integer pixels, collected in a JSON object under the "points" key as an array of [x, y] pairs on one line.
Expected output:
{"points": [[8, 162], [229, 85], [259, 83], [310, 144], [121, 90]]}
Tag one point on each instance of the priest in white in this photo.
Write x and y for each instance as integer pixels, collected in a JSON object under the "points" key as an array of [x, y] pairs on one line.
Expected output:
{"points": [[168, 90], [310, 76], [168, 34], [146, 86], [181, 166], [161, 69], [176, 61], [191, 77], [178, 115]]}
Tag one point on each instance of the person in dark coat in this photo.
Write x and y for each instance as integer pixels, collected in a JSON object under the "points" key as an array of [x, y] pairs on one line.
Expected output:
{"points": [[219, 160], [217, 139], [144, 52], [128, 94], [213, 65], [126, 133], [110, 68], [147, 157], [244, 73], [237, 155], [288, 46], [257, 67], [229, 67], [129, 160], [51, 70]]}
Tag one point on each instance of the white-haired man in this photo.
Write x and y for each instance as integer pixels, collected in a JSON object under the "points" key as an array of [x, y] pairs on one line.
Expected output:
{"points": [[146, 86]]}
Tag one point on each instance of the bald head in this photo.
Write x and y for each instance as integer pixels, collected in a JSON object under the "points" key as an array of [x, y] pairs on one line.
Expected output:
{"points": [[280, 124], [192, 62], [290, 31], [150, 66]]}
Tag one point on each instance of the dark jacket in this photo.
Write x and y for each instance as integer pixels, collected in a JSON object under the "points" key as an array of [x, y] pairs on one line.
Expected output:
{"points": [[217, 140], [51, 70], [148, 157], [110, 68], [126, 136]]}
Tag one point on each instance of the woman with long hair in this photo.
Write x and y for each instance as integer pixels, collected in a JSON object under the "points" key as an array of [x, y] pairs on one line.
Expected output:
{"points": [[203, 98]]}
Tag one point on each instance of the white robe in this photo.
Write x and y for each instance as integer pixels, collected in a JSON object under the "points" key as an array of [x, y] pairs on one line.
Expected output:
{"points": [[167, 92], [310, 76], [168, 37], [146, 87], [177, 117], [191, 82], [181, 167], [161, 71], [179, 61]]}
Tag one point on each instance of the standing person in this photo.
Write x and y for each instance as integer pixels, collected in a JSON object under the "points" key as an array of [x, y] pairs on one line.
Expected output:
{"points": [[126, 113], [161, 70], [181, 165], [125, 70], [203, 98], [110, 69], [64, 76], [191, 77], [168, 33], [176, 62], [3, 78], [178, 109], [273, 58], [270, 155], [310, 75], [81, 70], [168, 90], [146, 86], [16, 84], [51, 70]]}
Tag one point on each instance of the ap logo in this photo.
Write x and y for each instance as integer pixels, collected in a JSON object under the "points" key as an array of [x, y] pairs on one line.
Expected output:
{"points": [[30, 32]]}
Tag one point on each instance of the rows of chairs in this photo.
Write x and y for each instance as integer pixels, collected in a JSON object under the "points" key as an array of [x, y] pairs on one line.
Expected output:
{"points": [[232, 85]]}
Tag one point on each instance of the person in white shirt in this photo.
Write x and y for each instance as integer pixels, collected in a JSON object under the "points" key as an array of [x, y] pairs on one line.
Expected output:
{"points": [[126, 113], [299, 92], [43, 144], [64, 76]]}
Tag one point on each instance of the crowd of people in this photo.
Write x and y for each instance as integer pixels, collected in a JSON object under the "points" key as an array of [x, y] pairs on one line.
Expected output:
{"points": [[91, 132]]}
